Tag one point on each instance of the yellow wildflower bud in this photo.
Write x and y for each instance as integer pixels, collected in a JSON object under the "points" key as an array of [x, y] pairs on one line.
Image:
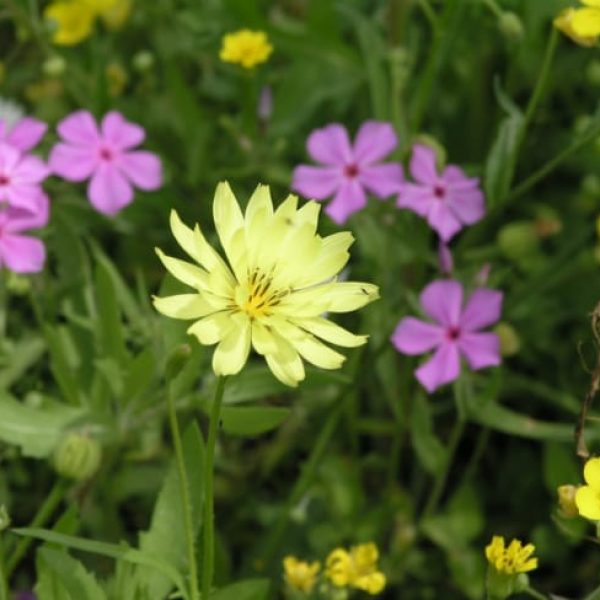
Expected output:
{"points": [[569, 21], [587, 497], [300, 575], [143, 61], [77, 456], [114, 13], [116, 79], [357, 568], [72, 22], [54, 66], [245, 47], [510, 343], [566, 501], [511, 26]]}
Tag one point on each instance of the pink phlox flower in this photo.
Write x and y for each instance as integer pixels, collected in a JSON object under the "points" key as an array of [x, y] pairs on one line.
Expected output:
{"points": [[24, 135], [21, 176], [22, 253], [454, 332], [106, 157], [448, 201], [349, 171]]}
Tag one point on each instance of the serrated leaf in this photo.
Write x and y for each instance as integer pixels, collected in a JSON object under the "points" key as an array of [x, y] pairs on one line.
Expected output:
{"points": [[249, 589], [252, 420]]}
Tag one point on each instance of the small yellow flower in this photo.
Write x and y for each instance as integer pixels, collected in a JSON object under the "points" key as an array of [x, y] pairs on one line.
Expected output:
{"points": [[245, 47], [357, 568], [116, 79], [582, 25], [516, 558], [272, 293], [74, 21], [566, 501], [598, 226], [300, 574], [587, 497]]}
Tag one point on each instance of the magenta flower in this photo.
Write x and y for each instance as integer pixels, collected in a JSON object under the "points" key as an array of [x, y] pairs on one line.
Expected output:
{"points": [[448, 201], [21, 176], [24, 135], [106, 157], [349, 172], [454, 333], [21, 253]]}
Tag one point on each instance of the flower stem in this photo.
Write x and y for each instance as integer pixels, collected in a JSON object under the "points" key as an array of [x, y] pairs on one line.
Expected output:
{"points": [[534, 593], [39, 520], [4, 593], [209, 526], [185, 498]]}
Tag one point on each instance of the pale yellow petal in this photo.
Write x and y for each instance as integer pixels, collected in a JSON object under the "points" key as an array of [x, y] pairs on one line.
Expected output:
{"points": [[591, 473], [309, 214], [331, 260], [231, 354], [286, 211], [285, 363], [595, 3], [182, 306], [262, 339], [586, 22], [212, 328], [281, 369], [317, 353], [184, 271], [330, 332], [351, 295], [259, 201], [229, 223], [588, 503]]}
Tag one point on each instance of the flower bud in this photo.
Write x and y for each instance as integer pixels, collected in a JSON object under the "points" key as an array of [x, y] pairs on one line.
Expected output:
{"points": [[592, 73], [77, 456], [510, 343], [143, 61], [177, 360], [54, 66], [17, 284], [518, 240], [116, 79], [566, 501], [511, 26], [4, 518]]}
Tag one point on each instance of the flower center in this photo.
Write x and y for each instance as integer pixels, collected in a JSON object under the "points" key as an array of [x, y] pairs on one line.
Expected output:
{"points": [[351, 170], [261, 297], [106, 153], [453, 333], [4, 179], [439, 191]]}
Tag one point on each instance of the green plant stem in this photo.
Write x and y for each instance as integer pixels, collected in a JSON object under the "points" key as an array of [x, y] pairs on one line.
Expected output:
{"points": [[440, 482], [3, 304], [494, 8], [184, 489], [4, 591], [209, 525], [534, 593], [42, 516]]}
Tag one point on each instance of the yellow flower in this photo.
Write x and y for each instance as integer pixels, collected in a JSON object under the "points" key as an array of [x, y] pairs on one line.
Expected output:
{"points": [[357, 568], [587, 497], [114, 13], [74, 21], [566, 501], [299, 574], [245, 47], [511, 560], [273, 291], [582, 25]]}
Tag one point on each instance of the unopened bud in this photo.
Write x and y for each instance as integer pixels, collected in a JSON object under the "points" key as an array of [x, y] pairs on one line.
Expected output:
{"points": [[518, 240], [116, 79], [445, 259], [177, 360], [510, 342], [143, 61], [54, 66], [17, 284], [77, 456], [511, 27], [4, 518], [566, 501], [592, 72]]}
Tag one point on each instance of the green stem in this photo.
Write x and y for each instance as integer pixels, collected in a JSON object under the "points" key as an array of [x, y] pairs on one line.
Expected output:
{"points": [[3, 303], [494, 8], [185, 498], [209, 525], [442, 478], [41, 518], [534, 593], [4, 592]]}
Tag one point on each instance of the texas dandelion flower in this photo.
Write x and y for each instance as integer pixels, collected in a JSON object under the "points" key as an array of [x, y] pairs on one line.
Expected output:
{"points": [[272, 292], [246, 47], [512, 559], [587, 497], [582, 25], [357, 568], [299, 574]]}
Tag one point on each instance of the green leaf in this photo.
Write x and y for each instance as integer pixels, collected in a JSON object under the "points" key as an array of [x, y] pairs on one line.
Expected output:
{"points": [[252, 420], [249, 589], [23, 355], [166, 538], [125, 553], [64, 362], [430, 451], [79, 583], [35, 430], [140, 374], [253, 383]]}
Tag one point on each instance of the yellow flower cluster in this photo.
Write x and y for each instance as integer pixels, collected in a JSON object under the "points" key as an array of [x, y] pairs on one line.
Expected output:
{"points": [[74, 20], [510, 560], [357, 568], [587, 497], [582, 25], [246, 47], [299, 574]]}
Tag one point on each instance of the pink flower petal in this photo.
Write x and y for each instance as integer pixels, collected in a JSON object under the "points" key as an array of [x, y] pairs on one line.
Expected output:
{"points": [[457, 179], [79, 128], [17, 219], [108, 190], [26, 133], [413, 336], [316, 182], [73, 163], [417, 198], [422, 164], [442, 301], [330, 145], [374, 141], [480, 349], [350, 199], [22, 195], [30, 169], [120, 133], [443, 367], [382, 180], [142, 168], [467, 205], [9, 157], [442, 220], [482, 309], [22, 254]]}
